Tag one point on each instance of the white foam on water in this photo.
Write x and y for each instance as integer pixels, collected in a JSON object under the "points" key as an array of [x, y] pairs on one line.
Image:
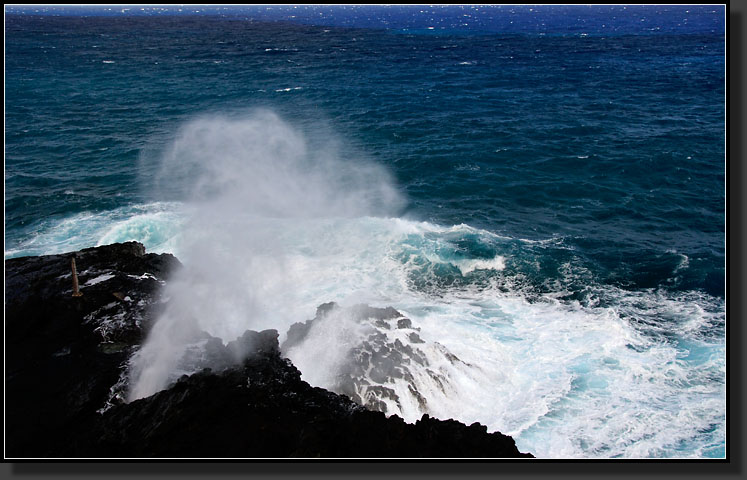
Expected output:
{"points": [[156, 228], [565, 380], [72, 233], [469, 266], [576, 382], [155, 224]]}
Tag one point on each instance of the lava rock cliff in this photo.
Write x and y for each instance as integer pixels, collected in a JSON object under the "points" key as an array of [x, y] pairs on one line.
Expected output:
{"points": [[66, 379]]}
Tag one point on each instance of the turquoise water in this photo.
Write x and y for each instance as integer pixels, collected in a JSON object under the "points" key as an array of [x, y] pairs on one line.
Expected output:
{"points": [[549, 191]]}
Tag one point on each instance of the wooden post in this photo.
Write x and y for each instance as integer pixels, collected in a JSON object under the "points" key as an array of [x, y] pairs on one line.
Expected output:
{"points": [[76, 292]]}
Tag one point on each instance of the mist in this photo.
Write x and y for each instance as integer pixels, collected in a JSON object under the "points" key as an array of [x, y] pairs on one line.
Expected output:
{"points": [[251, 185]]}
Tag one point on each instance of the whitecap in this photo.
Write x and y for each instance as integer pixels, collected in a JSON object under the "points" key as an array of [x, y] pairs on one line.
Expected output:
{"points": [[468, 266], [156, 225]]}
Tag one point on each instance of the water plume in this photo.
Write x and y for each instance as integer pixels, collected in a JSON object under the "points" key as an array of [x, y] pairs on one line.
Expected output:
{"points": [[250, 183]]}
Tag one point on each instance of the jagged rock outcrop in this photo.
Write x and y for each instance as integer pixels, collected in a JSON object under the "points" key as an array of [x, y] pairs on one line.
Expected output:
{"points": [[263, 409], [66, 360], [387, 350]]}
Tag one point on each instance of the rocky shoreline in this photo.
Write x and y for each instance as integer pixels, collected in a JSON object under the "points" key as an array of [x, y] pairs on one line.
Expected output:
{"points": [[66, 379]]}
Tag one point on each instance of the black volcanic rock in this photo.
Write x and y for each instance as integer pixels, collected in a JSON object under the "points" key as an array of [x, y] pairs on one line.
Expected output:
{"points": [[66, 368], [63, 353], [263, 409]]}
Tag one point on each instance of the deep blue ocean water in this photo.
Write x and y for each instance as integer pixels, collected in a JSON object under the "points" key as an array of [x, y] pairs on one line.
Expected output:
{"points": [[548, 179]]}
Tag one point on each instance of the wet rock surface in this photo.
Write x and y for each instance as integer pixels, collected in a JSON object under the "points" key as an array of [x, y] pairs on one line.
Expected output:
{"points": [[67, 356], [388, 350]]}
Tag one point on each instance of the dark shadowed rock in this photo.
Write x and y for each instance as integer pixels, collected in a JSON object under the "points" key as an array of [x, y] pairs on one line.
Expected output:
{"points": [[263, 409], [64, 354], [65, 366]]}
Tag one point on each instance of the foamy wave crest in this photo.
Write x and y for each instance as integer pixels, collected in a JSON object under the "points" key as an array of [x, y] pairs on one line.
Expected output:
{"points": [[468, 266], [573, 381], [157, 229], [156, 225]]}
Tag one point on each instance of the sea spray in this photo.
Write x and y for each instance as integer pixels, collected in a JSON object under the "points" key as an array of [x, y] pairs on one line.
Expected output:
{"points": [[246, 181]]}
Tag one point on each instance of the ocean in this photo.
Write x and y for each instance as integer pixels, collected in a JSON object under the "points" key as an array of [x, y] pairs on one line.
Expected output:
{"points": [[541, 190]]}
